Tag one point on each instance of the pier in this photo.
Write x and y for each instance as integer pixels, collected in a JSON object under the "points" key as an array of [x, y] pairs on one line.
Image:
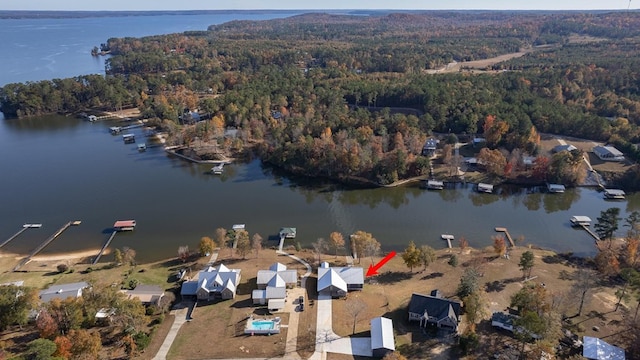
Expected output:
{"points": [[588, 229], [44, 244], [24, 228], [448, 238], [282, 237], [506, 233], [104, 247]]}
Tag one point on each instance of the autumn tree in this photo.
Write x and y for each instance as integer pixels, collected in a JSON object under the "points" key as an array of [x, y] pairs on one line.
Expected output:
{"points": [[221, 236], [46, 325], [67, 313], [463, 244], [526, 263], [411, 256], [256, 243], [206, 246], [499, 245], [337, 241], [85, 343], [243, 243], [493, 160], [63, 347], [427, 255], [365, 244]]}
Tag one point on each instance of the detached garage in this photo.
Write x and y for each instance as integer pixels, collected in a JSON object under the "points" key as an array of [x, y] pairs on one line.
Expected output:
{"points": [[382, 340]]}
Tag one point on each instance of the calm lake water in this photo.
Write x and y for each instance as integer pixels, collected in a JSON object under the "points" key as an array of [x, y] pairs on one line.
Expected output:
{"points": [[57, 169]]}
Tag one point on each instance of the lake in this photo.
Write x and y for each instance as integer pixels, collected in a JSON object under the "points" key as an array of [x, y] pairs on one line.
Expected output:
{"points": [[56, 169]]}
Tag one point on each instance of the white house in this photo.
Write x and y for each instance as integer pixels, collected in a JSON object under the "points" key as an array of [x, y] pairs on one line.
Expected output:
{"points": [[337, 281], [273, 283], [213, 283]]}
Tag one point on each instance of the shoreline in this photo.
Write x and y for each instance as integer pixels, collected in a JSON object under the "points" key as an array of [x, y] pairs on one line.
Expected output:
{"points": [[68, 255]]}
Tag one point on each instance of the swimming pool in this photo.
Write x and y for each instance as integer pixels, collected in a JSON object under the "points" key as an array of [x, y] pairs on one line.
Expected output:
{"points": [[262, 325], [271, 326]]}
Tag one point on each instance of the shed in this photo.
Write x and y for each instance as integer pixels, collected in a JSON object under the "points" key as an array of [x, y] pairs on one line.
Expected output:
{"points": [[563, 147], [382, 340], [275, 305], [598, 349], [608, 153]]}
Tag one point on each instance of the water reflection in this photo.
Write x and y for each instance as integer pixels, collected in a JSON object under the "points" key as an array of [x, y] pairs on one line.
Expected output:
{"points": [[42, 123]]}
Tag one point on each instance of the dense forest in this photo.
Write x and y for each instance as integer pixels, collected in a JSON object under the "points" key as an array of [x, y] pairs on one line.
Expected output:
{"points": [[320, 94]]}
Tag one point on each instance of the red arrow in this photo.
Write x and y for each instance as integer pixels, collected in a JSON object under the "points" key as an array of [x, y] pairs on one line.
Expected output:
{"points": [[373, 269]]}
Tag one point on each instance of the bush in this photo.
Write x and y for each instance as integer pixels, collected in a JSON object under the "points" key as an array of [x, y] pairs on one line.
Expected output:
{"points": [[133, 283], [62, 268], [298, 246], [142, 340], [468, 342], [453, 260]]}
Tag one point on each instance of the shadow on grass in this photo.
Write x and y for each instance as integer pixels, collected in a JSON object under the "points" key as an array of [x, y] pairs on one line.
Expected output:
{"points": [[432, 276], [495, 286], [391, 277]]}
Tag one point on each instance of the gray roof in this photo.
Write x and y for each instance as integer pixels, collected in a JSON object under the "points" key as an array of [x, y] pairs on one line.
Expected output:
{"points": [[350, 275], [213, 279], [598, 349], [565, 147], [382, 334], [63, 291], [289, 276], [607, 150], [436, 307]]}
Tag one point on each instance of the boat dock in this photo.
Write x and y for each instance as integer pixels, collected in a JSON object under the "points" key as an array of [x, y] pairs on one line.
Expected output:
{"points": [[24, 228], [104, 247], [506, 233], [44, 244], [448, 238]]}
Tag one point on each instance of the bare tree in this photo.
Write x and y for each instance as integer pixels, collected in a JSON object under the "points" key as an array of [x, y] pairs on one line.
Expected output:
{"points": [[183, 253], [222, 237], [129, 255], [256, 243], [319, 247], [355, 306], [584, 280]]}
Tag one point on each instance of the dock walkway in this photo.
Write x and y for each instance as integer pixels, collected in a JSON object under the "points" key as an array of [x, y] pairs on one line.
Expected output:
{"points": [[44, 244], [104, 247], [24, 228], [506, 233], [587, 229]]}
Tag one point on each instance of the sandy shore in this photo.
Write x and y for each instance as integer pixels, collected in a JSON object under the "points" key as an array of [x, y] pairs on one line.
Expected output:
{"points": [[72, 255]]}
